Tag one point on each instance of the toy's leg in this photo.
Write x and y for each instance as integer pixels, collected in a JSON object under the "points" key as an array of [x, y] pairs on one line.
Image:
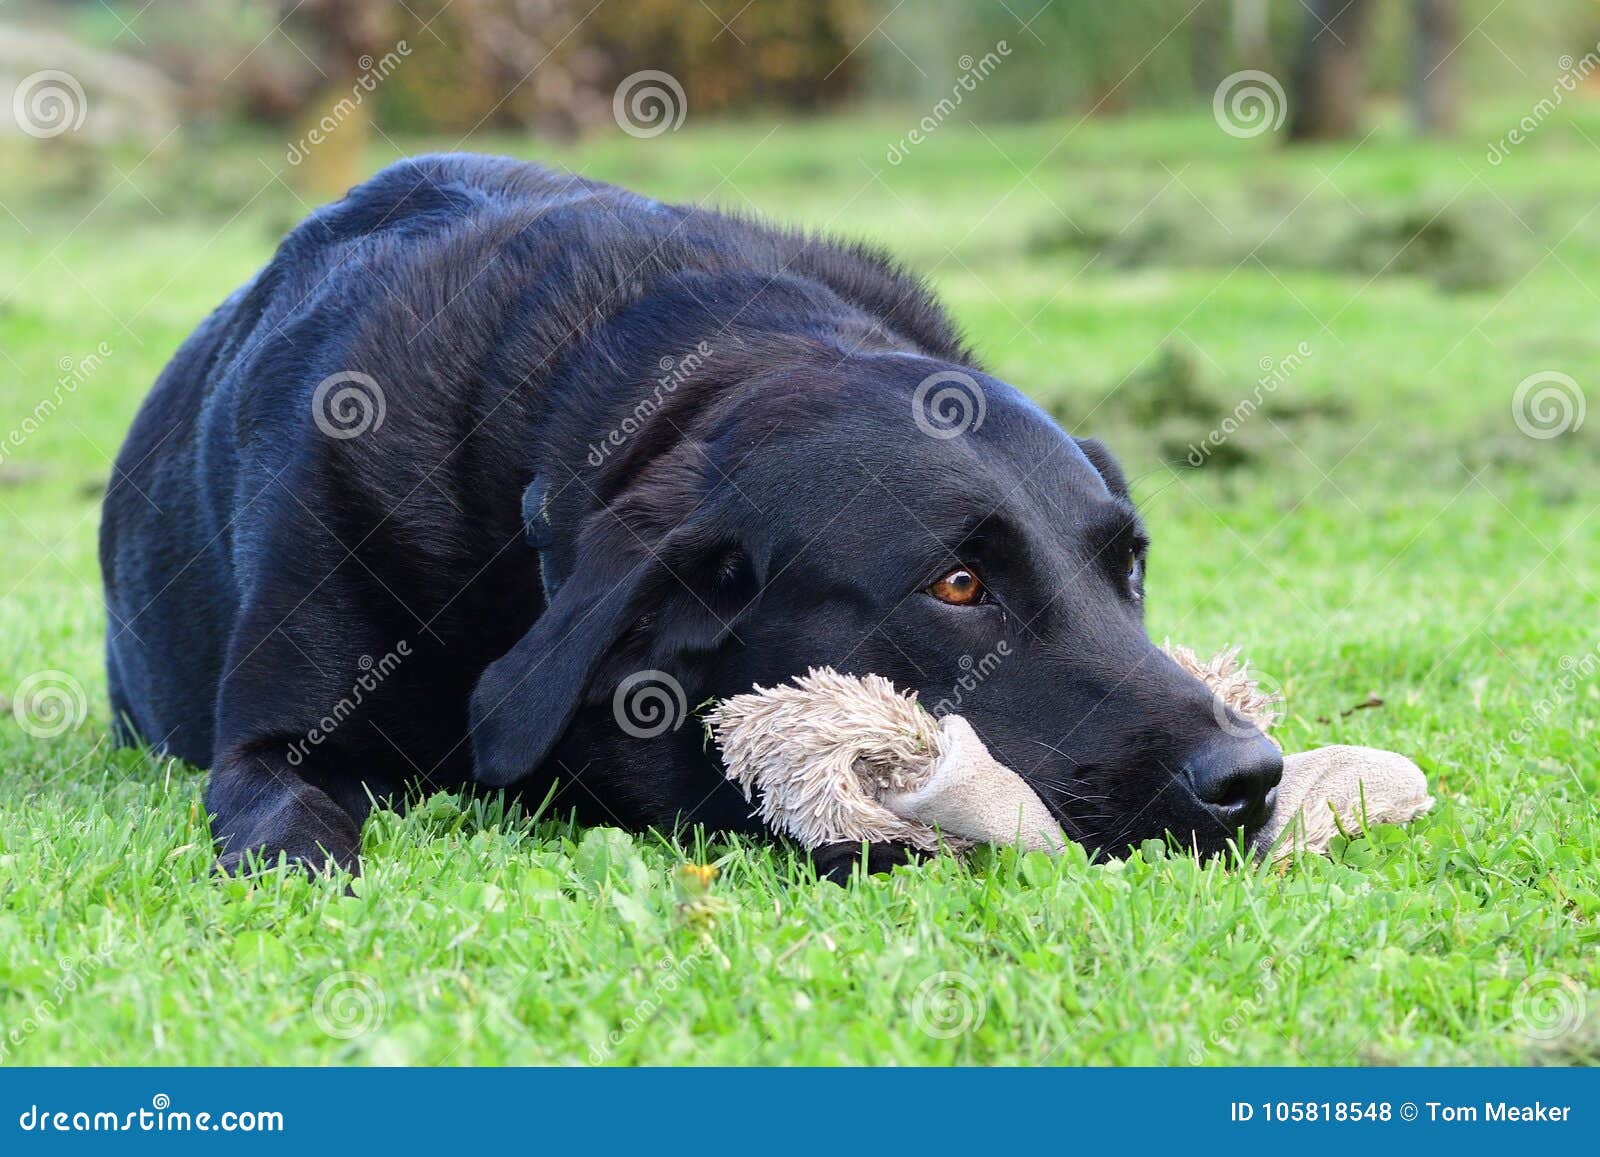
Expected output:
{"points": [[837, 862]]}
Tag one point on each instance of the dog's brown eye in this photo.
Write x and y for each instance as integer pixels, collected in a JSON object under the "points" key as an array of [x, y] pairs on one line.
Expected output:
{"points": [[959, 588]]}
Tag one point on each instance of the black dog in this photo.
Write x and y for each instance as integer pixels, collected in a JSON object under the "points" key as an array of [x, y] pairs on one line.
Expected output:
{"points": [[493, 474]]}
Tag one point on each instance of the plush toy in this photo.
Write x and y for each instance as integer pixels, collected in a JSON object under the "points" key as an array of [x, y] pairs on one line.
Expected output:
{"points": [[833, 758]]}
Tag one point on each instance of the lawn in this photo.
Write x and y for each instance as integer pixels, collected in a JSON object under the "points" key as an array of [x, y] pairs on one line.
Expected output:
{"points": [[1381, 528]]}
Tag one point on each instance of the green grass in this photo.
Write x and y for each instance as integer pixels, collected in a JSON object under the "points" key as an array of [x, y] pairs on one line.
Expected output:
{"points": [[1384, 528]]}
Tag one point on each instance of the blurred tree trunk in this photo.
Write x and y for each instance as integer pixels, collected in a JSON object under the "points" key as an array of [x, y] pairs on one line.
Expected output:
{"points": [[1326, 99], [1433, 91], [1208, 45], [333, 164], [349, 34], [1250, 32]]}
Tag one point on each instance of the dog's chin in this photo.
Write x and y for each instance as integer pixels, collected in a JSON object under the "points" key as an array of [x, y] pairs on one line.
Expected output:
{"points": [[1076, 828], [1258, 839], [1206, 841], [1268, 806], [1189, 828]]}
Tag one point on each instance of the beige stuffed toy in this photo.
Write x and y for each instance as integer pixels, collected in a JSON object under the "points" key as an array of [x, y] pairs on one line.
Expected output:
{"points": [[835, 758]]}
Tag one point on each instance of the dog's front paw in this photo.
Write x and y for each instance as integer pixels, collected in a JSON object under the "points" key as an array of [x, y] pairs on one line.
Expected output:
{"points": [[837, 862], [317, 862]]}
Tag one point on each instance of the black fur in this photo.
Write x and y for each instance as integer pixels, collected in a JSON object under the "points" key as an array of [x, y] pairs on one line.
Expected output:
{"points": [[549, 505]]}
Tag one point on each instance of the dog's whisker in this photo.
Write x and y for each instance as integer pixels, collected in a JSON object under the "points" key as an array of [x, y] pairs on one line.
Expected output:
{"points": [[1057, 750], [1066, 788]]}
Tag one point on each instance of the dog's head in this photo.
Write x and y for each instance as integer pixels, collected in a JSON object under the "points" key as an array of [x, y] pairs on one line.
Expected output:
{"points": [[886, 514]]}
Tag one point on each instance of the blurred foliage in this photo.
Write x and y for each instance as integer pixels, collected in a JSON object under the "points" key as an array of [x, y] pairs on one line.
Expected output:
{"points": [[1458, 244], [554, 66], [1074, 56], [730, 54], [550, 65]]}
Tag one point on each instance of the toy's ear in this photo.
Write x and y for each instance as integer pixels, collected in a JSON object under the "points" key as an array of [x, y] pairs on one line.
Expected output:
{"points": [[673, 596]]}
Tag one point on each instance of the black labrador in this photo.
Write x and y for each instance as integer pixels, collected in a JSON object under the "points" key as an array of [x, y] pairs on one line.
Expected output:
{"points": [[493, 474]]}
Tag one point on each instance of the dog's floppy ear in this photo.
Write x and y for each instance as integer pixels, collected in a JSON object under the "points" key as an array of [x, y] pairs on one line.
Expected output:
{"points": [[1107, 467], [685, 590]]}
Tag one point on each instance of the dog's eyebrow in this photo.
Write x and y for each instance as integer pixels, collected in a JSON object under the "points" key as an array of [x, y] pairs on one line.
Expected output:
{"points": [[1120, 522], [969, 539]]}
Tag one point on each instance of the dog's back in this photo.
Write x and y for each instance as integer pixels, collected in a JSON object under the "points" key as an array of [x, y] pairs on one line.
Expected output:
{"points": [[192, 482]]}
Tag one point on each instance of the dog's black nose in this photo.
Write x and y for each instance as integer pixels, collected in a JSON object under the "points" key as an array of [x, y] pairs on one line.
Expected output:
{"points": [[1232, 776]]}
